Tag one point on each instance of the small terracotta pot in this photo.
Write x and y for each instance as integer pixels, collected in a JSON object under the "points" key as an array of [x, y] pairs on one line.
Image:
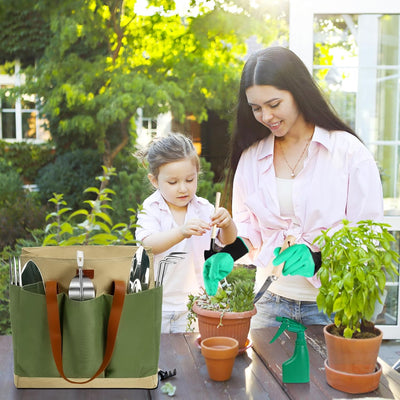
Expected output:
{"points": [[220, 353], [234, 324], [356, 356], [353, 383]]}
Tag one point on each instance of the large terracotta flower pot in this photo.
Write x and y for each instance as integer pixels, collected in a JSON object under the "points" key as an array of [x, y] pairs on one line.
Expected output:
{"points": [[352, 363], [220, 353], [356, 356], [234, 324]]}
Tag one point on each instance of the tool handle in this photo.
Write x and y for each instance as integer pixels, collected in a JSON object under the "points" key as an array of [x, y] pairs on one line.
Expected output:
{"points": [[217, 201], [277, 270]]}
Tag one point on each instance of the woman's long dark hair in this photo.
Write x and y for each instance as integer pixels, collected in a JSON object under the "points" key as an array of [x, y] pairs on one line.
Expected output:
{"points": [[283, 69]]}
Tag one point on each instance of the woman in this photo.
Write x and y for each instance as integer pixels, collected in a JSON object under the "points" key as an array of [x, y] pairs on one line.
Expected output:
{"points": [[297, 169]]}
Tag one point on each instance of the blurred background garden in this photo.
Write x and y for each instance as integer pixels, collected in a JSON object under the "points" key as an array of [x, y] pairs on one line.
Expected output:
{"points": [[84, 84]]}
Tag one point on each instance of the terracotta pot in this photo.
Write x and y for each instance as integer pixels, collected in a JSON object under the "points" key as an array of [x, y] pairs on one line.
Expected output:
{"points": [[220, 353], [353, 383], [356, 356], [234, 324]]}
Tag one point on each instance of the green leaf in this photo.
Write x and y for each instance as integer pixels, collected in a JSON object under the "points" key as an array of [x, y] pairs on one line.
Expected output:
{"points": [[348, 333], [338, 304], [79, 212], [105, 217]]}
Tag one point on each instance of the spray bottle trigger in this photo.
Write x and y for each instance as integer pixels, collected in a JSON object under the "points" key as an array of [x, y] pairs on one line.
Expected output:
{"points": [[281, 329]]}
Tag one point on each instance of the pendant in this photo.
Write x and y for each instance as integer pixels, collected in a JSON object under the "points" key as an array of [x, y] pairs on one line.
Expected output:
{"points": [[293, 175]]}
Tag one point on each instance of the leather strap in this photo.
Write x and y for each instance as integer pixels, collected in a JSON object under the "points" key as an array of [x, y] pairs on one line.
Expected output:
{"points": [[55, 330]]}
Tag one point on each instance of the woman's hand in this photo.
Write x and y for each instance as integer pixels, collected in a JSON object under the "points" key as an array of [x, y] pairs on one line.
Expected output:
{"points": [[298, 260]]}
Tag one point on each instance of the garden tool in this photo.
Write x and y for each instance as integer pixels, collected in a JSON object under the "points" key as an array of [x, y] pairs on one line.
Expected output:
{"points": [[171, 258], [81, 287], [213, 246], [15, 272], [31, 274], [139, 274], [166, 374], [297, 368], [276, 270]]}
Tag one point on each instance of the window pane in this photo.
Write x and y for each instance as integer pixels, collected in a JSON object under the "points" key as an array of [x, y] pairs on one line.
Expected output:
{"points": [[387, 103], [8, 125], [356, 63], [389, 313], [7, 101], [28, 102], [29, 125], [385, 157], [336, 62]]}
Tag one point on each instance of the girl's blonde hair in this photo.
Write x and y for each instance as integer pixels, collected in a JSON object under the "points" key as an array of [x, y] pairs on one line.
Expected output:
{"points": [[164, 150]]}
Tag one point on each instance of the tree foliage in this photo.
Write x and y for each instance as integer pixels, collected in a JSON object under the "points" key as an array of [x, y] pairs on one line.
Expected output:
{"points": [[103, 60]]}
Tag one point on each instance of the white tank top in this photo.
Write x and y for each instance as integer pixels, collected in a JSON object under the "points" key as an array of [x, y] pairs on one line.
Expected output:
{"points": [[293, 287]]}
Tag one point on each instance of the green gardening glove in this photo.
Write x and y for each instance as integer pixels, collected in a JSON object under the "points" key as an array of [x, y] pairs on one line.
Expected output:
{"points": [[217, 267], [298, 260]]}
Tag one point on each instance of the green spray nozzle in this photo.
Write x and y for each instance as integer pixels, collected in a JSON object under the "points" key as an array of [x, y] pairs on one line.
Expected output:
{"points": [[297, 368], [290, 324]]}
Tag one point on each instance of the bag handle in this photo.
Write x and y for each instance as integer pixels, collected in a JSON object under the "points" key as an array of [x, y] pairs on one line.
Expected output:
{"points": [[55, 330]]}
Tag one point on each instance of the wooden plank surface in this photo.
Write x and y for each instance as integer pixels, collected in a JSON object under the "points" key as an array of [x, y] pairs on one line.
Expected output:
{"points": [[250, 379], [274, 354], [257, 374], [9, 392]]}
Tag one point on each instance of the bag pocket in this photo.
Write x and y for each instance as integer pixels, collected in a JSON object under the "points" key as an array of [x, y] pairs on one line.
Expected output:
{"points": [[84, 331], [33, 356], [137, 347]]}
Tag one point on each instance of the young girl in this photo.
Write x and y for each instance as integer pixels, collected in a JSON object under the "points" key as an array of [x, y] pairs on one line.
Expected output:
{"points": [[174, 219]]}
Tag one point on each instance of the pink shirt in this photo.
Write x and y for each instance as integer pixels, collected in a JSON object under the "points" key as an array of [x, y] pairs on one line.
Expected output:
{"points": [[339, 180], [185, 277]]}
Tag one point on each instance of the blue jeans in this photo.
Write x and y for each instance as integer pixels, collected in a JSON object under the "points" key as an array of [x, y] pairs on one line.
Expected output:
{"points": [[175, 321], [270, 306]]}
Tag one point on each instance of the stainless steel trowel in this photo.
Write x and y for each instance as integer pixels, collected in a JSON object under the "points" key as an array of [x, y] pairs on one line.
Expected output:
{"points": [[81, 287]]}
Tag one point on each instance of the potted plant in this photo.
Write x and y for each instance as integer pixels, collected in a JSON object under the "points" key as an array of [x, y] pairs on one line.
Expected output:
{"points": [[356, 260], [229, 311]]}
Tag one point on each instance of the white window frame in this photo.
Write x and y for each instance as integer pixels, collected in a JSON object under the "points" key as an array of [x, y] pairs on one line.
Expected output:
{"points": [[301, 23], [15, 81]]}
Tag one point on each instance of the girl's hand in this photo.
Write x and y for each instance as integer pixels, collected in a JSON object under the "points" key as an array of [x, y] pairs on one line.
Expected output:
{"points": [[194, 227], [222, 219]]}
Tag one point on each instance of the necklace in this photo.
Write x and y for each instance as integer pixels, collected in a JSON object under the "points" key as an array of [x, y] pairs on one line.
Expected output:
{"points": [[293, 173]]}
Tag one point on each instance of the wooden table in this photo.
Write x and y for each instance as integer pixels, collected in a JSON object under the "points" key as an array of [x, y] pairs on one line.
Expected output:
{"points": [[256, 374]]}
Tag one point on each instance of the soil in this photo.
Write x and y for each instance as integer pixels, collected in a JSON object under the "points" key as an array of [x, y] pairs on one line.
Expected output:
{"points": [[367, 330]]}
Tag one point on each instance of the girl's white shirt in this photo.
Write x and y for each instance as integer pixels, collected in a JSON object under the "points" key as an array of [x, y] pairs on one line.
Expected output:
{"points": [[185, 277]]}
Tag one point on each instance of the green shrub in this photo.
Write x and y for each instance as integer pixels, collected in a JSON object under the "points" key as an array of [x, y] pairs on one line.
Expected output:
{"points": [[70, 174], [207, 187], [11, 185], [27, 158], [18, 218], [5, 325], [132, 187]]}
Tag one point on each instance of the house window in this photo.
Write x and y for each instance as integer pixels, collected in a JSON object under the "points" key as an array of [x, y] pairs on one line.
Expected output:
{"points": [[8, 125], [149, 127], [357, 63], [19, 117], [353, 51]]}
